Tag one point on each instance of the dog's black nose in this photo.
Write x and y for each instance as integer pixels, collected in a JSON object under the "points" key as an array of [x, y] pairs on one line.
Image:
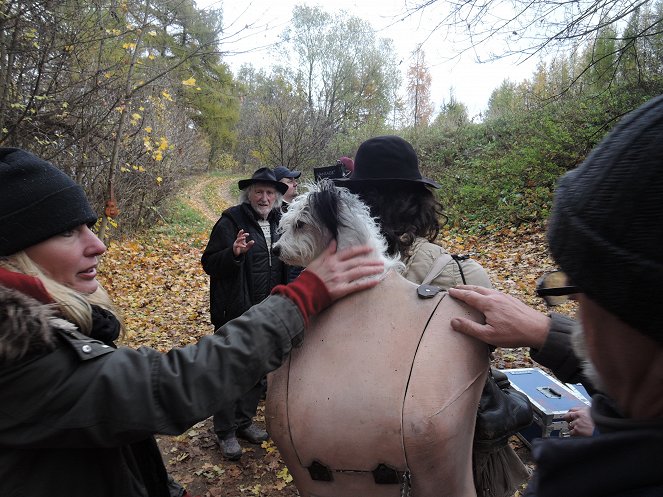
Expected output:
{"points": [[276, 250]]}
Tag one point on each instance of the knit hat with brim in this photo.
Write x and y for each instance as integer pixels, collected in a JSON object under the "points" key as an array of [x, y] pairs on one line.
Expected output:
{"points": [[385, 158], [606, 226], [37, 201], [263, 175]]}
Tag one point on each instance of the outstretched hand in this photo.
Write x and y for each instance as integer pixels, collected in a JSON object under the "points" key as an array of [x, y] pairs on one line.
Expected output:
{"points": [[345, 271], [509, 322], [241, 245]]}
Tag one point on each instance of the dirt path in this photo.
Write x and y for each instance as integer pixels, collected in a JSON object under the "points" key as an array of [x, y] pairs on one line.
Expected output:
{"points": [[159, 285], [210, 195]]}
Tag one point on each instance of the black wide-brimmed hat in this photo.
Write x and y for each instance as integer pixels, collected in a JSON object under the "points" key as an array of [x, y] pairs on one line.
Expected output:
{"points": [[263, 175], [385, 158]]}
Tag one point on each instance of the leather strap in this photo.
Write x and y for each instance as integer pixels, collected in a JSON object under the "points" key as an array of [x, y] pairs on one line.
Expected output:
{"points": [[437, 268], [425, 290]]}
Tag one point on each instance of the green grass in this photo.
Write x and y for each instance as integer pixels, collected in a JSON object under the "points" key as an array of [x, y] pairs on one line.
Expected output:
{"points": [[182, 220], [212, 199]]}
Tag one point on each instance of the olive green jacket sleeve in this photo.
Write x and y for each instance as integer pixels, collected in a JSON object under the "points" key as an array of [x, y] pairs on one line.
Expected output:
{"points": [[86, 394]]}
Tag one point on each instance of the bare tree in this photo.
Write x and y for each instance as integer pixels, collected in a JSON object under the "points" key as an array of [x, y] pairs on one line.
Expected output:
{"points": [[525, 27], [494, 29], [345, 70], [418, 89], [277, 125]]}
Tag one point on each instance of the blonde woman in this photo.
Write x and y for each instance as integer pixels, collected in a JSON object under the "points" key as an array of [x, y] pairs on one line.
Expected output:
{"points": [[77, 415]]}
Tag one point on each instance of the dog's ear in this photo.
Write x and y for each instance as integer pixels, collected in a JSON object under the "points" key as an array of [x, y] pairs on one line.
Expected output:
{"points": [[324, 204]]}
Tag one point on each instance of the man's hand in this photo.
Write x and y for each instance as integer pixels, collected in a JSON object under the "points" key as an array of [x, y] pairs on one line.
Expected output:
{"points": [[509, 322], [343, 272], [580, 422], [240, 245]]}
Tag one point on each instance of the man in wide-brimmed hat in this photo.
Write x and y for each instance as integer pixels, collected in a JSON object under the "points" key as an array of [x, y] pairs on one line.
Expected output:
{"points": [[242, 273]]}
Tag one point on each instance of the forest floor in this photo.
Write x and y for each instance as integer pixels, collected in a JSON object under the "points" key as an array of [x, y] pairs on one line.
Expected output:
{"points": [[157, 281]]}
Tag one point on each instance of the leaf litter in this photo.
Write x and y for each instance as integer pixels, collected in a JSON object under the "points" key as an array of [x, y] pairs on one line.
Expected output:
{"points": [[158, 283]]}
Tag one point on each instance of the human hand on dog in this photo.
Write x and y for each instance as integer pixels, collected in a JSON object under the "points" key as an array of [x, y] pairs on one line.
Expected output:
{"points": [[509, 322], [342, 271], [580, 422], [241, 245]]}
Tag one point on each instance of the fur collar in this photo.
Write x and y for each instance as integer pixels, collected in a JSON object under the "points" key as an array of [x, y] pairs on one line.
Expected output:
{"points": [[26, 326]]}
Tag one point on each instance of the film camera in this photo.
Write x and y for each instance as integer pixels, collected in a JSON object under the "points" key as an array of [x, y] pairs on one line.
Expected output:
{"points": [[338, 170]]}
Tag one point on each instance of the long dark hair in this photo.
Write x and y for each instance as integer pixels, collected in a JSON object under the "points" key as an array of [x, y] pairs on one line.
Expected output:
{"points": [[404, 211]]}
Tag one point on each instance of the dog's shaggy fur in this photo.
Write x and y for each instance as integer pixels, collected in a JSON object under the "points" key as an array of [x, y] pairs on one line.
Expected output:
{"points": [[325, 213]]}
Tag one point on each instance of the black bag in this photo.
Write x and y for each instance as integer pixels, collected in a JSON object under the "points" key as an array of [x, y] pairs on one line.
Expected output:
{"points": [[503, 411]]}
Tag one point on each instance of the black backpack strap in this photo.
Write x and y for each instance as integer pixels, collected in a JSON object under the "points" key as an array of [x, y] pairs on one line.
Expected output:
{"points": [[458, 258]]}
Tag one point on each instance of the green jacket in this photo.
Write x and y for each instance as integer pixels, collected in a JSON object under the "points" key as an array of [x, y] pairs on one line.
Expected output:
{"points": [[74, 411]]}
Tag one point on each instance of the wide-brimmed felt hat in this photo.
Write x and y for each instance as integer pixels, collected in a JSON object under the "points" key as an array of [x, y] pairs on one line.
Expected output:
{"points": [[281, 172], [263, 175], [385, 158]]}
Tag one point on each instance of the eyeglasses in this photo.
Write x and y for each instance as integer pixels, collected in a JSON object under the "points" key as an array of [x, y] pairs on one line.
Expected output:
{"points": [[554, 287]]}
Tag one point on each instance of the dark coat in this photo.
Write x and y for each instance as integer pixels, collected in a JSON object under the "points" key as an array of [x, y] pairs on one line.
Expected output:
{"points": [[77, 416], [238, 283], [622, 461]]}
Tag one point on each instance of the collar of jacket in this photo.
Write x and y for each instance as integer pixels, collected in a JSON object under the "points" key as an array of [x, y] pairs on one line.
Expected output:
{"points": [[26, 325], [609, 419]]}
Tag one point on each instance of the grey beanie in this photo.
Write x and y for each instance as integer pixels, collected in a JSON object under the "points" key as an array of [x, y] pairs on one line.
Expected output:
{"points": [[606, 226], [37, 201]]}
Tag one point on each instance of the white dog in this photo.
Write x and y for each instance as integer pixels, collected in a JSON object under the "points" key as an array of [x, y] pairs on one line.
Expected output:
{"points": [[327, 213], [381, 398]]}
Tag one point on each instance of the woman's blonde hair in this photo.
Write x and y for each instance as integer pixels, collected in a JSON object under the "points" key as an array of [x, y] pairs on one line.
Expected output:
{"points": [[74, 306]]}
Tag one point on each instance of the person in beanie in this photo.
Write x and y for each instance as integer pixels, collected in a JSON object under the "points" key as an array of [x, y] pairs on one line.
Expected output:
{"points": [[238, 258], [347, 164], [77, 414], [288, 177], [606, 235]]}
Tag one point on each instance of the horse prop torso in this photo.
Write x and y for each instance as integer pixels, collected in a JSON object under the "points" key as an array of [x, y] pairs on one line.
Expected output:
{"points": [[381, 398]]}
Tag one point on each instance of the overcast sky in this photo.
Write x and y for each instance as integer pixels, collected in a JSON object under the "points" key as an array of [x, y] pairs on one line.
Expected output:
{"points": [[472, 82]]}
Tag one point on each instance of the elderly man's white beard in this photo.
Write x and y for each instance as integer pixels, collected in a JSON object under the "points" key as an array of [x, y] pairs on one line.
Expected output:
{"points": [[580, 349]]}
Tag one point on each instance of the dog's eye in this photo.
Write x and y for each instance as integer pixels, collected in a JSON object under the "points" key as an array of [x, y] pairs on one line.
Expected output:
{"points": [[299, 225]]}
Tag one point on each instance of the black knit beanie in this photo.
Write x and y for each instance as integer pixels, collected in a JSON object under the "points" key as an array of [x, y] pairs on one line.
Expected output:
{"points": [[37, 201], [606, 227]]}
